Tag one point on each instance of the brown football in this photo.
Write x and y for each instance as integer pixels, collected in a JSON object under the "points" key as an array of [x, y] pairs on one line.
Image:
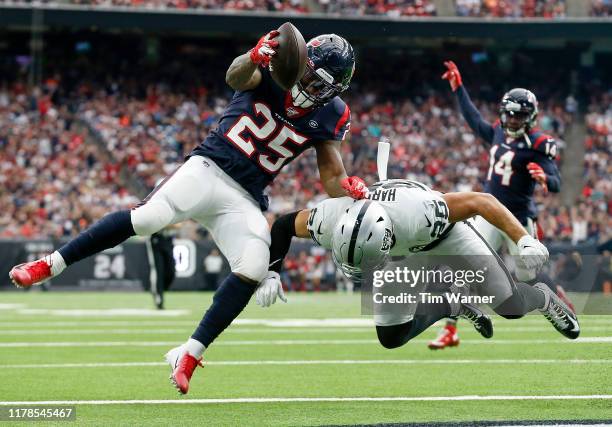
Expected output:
{"points": [[289, 63]]}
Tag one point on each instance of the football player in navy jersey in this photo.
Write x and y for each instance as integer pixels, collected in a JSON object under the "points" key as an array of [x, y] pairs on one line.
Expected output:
{"points": [[221, 184], [521, 157]]}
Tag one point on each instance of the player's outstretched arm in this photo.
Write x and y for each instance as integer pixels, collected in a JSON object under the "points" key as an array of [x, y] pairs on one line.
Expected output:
{"points": [[243, 73], [471, 114], [465, 205], [333, 175]]}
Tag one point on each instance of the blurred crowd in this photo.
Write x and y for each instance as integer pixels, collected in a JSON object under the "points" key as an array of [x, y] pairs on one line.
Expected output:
{"points": [[391, 8], [590, 218], [53, 183], [601, 8], [512, 8]]}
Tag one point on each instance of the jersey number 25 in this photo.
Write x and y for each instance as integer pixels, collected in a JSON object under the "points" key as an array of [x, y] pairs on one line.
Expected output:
{"points": [[264, 133]]}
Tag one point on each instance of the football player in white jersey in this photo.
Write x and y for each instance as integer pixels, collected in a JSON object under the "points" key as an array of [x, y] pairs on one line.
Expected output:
{"points": [[401, 218]]}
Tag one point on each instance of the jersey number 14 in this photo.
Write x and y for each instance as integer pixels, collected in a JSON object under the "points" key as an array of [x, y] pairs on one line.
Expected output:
{"points": [[503, 166]]}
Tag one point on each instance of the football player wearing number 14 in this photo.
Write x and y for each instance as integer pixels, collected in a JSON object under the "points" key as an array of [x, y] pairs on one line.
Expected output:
{"points": [[222, 183], [521, 156]]}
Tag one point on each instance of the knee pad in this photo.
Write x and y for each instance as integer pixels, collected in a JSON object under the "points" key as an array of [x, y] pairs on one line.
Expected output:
{"points": [[253, 263], [393, 336], [390, 343], [151, 217]]}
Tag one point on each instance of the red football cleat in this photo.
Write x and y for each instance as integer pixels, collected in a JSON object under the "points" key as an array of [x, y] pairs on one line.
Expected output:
{"points": [[447, 337], [183, 364], [563, 297], [30, 273]]}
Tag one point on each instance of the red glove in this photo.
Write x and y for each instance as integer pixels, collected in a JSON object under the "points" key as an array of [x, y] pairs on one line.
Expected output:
{"points": [[452, 75], [538, 174], [355, 187], [265, 49]]}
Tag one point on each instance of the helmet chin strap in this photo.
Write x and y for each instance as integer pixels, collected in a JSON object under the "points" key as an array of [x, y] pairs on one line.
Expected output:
{"points": [[515, 133]]}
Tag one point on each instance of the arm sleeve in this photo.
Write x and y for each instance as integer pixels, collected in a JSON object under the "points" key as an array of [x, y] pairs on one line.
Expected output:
{"points": [[472, 116], [553, 177], [283, 230]]}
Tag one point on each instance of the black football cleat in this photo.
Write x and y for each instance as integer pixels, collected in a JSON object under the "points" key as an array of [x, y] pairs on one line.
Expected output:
{"points": [[481, 321], [558, 313]]}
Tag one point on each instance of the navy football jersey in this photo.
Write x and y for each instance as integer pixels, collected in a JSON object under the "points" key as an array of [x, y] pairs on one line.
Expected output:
{"points": [[508, 178], [260, 131]]}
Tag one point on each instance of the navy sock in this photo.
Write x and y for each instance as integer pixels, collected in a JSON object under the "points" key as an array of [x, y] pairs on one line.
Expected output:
{"points": [[107, 233], [229, 301]]}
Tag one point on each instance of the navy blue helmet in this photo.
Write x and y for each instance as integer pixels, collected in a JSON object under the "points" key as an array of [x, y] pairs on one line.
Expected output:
{"points": [[522, 105], [331, 64]]}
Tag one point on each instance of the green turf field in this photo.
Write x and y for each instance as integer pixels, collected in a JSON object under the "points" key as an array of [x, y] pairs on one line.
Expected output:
{"points": [[108, 347]]}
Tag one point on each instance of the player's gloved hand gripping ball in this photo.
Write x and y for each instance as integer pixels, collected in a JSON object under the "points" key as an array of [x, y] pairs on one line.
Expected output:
{"points": [[355, 187], [265, 49], [452, 75]]}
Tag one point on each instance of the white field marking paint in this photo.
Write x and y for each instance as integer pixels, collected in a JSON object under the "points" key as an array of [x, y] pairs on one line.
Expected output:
{"points": [[587, 340], [89, 323], [309, 399], [93, 332], [111, 312], [280, 323], [6, 306], [321, 362], [291, 331]]}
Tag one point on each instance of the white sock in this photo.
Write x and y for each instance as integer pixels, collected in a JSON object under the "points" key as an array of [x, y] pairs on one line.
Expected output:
{"points": [[195, 348], [56, 262]]}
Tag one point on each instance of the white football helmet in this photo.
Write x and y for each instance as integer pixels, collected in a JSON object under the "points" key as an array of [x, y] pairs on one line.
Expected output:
{"points": [[362, 238]]}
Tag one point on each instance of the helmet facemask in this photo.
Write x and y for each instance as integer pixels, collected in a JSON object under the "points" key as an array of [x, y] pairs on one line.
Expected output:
{"points": [[315, 88]]}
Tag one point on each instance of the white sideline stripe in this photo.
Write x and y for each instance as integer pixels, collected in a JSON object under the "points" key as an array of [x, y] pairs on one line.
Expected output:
{"points": [[586, 340], [537, 322], [111, 312], [292, 331], [308, 399], [7, 306], [320, 362]]}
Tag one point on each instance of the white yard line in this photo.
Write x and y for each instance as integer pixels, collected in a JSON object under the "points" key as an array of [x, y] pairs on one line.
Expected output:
{"points": [[308, 399], [241, 330], [110, 312], [320, 362], [586, 340], [532, 323]]}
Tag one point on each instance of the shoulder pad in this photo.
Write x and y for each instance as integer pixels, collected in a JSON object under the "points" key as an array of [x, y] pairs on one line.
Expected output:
{"points": [[543, 143]]}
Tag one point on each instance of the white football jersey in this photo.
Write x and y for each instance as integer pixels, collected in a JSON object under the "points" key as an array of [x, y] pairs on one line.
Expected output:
{"points": [[418, 213]]}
